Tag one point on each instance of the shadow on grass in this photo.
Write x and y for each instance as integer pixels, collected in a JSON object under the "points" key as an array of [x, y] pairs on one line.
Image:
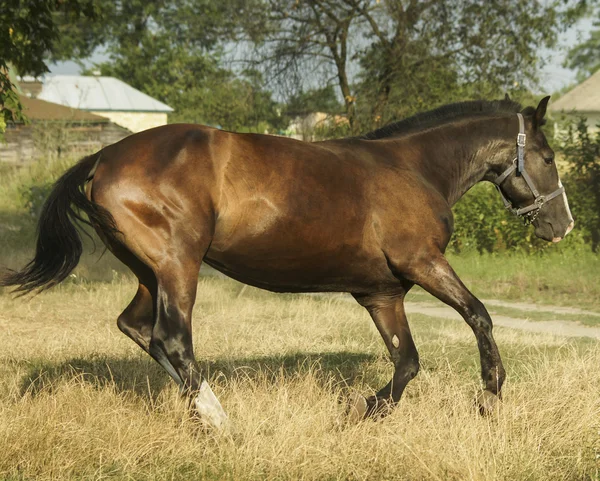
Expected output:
{"points": [[146, 379]]}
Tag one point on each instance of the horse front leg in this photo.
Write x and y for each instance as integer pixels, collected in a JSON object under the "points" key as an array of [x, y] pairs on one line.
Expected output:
{"points": [[437, 277], [387, 312]]}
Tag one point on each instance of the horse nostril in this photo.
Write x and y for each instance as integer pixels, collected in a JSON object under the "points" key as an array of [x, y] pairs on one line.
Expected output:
{"points": [[570, 228]]}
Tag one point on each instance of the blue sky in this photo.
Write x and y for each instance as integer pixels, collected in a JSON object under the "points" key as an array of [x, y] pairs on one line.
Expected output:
{"points": [[553, 76]]}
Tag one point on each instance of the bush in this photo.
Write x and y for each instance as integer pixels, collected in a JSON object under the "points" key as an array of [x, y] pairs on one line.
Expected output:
{"points": [[482, 223], [582, 154], [34, 197]]}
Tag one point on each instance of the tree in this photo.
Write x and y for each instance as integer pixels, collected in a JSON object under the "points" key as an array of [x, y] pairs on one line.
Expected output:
{"points": [[585, 57], [402, 47], [302, 38], [171, 50], [28, 32], [239, 103], [314, 100]]}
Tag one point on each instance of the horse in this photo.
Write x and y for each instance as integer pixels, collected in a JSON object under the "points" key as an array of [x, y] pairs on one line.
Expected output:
{"points": [[369, 215]]}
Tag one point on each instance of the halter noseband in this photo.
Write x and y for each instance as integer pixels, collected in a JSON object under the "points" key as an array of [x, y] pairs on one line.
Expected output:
{"points": [[530, 212]]}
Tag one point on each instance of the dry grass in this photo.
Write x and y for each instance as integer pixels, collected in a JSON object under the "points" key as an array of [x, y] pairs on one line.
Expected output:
{"points": [[78, 400]]}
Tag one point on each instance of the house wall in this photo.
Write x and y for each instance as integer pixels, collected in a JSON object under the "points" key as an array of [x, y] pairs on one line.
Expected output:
{"points": [[26, 143], [593, 121], [312, 126], [135, 121]]}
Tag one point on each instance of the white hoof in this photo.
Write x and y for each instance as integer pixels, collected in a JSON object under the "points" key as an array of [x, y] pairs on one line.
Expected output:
{"points": [[357, 408], [209, 408]]}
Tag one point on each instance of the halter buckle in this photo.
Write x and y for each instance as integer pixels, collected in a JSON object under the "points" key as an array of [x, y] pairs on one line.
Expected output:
{"points": [[521, 139]]}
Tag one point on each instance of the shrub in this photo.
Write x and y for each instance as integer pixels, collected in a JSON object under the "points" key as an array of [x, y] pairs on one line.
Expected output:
{"points": [[482, 223], [582, 154]]}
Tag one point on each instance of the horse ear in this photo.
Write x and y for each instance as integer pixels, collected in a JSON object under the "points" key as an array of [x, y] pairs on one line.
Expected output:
{"points": [[540, 112], [506, 97]]}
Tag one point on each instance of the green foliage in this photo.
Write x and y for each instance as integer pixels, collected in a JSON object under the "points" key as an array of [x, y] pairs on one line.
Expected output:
{"points": [[234, 103], [483, 224], [34, 196], [582, 153], [585, 57], [28, 31], [11, 110], [428, 54], [169, 50], [314, 100], [412, 56]]}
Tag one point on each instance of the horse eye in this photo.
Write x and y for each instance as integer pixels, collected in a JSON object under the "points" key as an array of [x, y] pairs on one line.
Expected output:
{"points": [[549, 159]]}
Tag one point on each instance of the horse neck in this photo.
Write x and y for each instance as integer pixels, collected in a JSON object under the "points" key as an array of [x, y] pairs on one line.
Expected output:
{"points": [[456, 156]]}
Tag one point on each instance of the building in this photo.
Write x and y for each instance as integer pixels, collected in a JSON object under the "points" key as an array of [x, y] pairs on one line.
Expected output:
{"points": [[55, 130], [582, 100], [105, 96], [315, 126]]}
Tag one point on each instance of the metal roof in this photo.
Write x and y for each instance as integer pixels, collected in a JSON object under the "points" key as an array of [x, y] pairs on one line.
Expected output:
{"points": [[585, 97], [98, 94]]}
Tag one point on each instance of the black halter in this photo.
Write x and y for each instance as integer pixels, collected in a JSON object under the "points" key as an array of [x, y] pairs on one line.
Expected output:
{"points": [[530, 212]]}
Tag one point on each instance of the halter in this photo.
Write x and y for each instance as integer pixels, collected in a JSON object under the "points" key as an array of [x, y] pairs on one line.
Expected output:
{"points": [[530, 212]]}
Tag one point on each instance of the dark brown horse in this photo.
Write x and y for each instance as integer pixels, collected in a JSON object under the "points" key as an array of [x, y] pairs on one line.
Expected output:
{"points": [[368, 215]]}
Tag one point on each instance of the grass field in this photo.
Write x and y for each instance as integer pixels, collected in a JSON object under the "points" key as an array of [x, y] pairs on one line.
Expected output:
{"points": [[78, 400]]}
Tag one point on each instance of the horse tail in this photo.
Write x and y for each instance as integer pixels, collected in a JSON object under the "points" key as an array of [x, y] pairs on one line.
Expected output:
{"points": [[59, 245]]}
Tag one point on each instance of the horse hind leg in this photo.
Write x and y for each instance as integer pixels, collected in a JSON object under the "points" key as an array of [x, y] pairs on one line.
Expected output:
{"points": [[139, 317], [172, 337], [158, 319], [137, 322]]}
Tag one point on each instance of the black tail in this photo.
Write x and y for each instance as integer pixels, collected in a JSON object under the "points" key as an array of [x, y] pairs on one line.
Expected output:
{"points": [[59, 244]]}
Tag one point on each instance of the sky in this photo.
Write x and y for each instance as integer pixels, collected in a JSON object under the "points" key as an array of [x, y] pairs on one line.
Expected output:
{"points": [[554, 76]]}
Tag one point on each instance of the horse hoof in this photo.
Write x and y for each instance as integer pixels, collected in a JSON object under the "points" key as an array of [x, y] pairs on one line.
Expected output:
{"points": [[357, 408], [487, 403]]}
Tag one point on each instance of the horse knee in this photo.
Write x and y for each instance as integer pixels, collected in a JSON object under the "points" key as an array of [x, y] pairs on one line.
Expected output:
{"points": [[478, 317]]}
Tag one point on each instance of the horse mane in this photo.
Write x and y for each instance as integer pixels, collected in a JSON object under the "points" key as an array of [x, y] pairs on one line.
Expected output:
{"points": [[445, 113]]}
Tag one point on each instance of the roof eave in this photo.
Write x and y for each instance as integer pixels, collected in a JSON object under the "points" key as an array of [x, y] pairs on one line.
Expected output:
{"points": [[130, 111]]}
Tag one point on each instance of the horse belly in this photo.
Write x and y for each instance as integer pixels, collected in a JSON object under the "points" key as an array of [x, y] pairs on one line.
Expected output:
{"points": [[290, 254]]}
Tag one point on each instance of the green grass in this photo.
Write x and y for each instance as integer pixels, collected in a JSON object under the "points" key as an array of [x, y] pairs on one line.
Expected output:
{"points": [[568, 278]]}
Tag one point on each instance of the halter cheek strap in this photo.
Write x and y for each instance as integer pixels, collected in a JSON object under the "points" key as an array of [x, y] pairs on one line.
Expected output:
{"points": [[521, 137], [530, 212]]}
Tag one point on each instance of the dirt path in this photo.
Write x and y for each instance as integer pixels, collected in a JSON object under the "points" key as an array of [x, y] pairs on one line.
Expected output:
{"points": [[554, 326], [528, 306], [557, 327]]}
